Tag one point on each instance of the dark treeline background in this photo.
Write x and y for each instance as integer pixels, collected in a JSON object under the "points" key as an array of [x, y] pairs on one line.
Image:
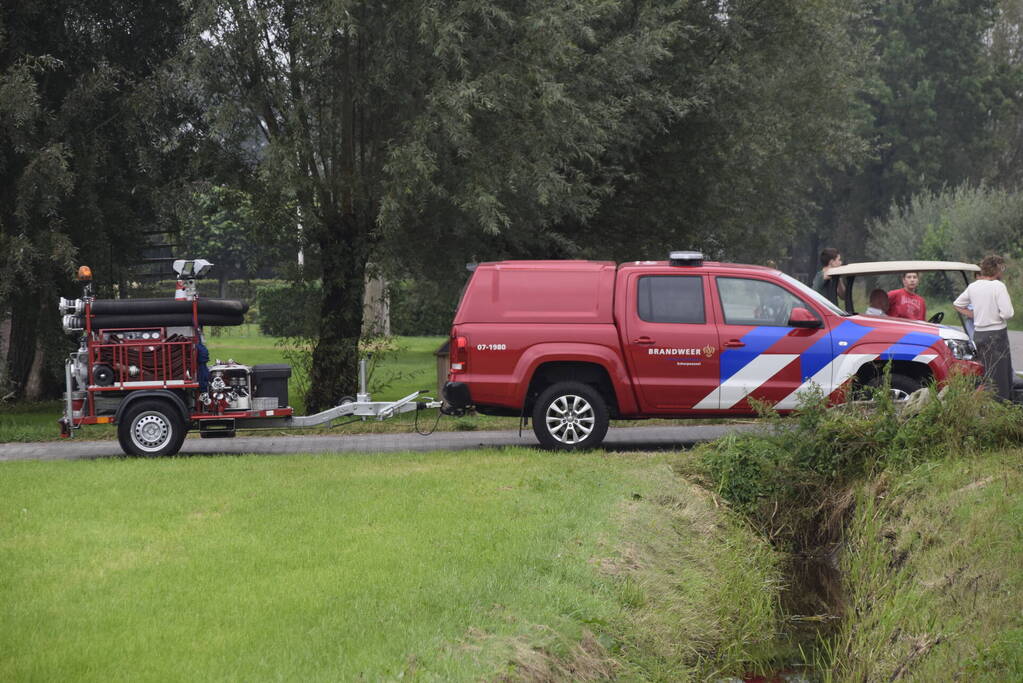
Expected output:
{"points": [[410, 138]]}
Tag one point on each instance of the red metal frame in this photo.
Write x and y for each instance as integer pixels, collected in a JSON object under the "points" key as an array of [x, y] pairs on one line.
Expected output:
{"points": [[162, 364]]}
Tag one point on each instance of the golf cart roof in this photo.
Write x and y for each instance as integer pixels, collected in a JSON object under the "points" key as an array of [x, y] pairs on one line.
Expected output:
{"points": [[883, 267]]}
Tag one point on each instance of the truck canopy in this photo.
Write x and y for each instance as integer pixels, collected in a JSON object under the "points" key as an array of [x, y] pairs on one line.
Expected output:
{"points": [[539, 292]]}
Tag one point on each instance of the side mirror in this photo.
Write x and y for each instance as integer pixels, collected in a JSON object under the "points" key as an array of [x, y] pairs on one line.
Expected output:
{"points": [[800, 317]]}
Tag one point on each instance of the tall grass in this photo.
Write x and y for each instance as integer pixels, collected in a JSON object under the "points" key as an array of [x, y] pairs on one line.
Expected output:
{"points": [[934, 574], [802, 461], [924, 504]]}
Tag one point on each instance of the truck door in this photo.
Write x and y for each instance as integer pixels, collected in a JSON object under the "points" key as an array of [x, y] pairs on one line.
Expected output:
{"points": [[762, 357], [671, 345]]}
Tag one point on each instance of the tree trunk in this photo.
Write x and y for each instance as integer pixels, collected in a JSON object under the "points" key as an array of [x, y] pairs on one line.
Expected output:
{"points": [[21, 353], [5, 338], [34, 385], [336, 354]]}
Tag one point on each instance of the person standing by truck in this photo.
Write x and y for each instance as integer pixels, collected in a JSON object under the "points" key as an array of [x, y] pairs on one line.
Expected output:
{"points": [[832, 288], [905, 302], [986, 301]]}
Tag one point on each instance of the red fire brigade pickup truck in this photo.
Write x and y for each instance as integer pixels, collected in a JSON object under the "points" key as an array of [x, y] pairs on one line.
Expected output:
{"points": [[573, 344]]}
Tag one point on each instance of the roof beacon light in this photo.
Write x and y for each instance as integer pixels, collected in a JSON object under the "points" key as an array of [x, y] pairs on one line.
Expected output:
{"points": [[84, 274], [685, 258]]}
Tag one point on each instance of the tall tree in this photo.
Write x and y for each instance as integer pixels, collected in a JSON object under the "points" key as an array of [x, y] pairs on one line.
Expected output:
{"points": [[489, 117], [771, 94], [941, 93], [80, 161]]}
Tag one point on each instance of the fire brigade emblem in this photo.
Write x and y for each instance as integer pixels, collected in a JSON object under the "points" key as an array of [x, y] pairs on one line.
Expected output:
{"points": [[708, 350]]}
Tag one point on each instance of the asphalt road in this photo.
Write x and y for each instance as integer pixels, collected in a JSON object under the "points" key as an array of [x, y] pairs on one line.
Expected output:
{"points": [[620, 439]]}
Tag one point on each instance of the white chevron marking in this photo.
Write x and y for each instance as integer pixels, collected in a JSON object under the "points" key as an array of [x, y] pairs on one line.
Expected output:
{"points": [[748, 379], [828, 378]]}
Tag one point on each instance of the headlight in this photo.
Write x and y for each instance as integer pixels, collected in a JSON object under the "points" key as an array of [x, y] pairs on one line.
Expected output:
{"points": [[962, 349]]}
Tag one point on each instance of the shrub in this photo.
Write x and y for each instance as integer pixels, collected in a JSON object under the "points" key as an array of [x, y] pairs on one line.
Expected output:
{"points": [[422, 307], [797, 463], [289, 309], [246, 290], [955, 224]]}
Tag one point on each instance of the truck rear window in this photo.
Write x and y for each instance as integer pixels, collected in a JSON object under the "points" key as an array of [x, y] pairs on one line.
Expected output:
{"points": [[671, 299]]}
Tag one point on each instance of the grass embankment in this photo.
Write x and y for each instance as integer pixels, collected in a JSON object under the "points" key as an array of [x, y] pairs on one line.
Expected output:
{"points": [[924, 505], [934, 566], [438, 566]]}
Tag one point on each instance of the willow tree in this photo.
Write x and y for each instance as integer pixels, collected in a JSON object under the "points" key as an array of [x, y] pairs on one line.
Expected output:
{"points": [[83, 159], [377, 117]]}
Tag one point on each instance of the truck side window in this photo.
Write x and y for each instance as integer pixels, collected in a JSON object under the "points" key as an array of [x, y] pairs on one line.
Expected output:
{"points": [[756, 302], [671, 299]]}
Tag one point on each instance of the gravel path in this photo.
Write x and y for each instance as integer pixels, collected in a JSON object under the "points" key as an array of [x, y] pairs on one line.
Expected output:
{"points": [[618, 439]]}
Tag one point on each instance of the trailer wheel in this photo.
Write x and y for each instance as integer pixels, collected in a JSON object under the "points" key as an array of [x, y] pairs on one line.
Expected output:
{"points": [[570, 416], [151, 428]]}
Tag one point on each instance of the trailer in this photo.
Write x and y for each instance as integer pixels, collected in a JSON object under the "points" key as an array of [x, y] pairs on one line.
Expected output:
{"points": [[142, 365]]}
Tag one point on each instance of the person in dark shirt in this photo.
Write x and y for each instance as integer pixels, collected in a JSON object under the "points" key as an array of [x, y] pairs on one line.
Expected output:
{"points": [[830, 287]]}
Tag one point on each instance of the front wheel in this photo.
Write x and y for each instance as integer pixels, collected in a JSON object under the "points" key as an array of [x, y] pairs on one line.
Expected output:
{"points": [[150, 429], [902, 386], [570, 416]]}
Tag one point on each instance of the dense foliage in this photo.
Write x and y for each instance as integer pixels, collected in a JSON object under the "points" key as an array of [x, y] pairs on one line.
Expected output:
{"points": [[81, 155], [420, 136]]}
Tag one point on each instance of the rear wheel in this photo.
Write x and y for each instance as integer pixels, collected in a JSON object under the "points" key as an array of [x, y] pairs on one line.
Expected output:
{"points": [[150, 429], [570, 416]]}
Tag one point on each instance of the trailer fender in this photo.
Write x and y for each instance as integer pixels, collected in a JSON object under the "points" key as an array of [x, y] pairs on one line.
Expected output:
{"points": [[162, 394], [603, 356]]}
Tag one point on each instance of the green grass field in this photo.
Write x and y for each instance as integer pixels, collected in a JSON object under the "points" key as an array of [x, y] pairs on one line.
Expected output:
{"points": [[467, 566]]}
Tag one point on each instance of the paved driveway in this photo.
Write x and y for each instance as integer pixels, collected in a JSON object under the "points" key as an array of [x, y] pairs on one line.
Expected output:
{"points": [[619, 439]]}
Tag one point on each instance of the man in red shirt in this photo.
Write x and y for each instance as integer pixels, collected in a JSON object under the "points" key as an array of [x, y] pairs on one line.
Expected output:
{"points": [[905, 302]]}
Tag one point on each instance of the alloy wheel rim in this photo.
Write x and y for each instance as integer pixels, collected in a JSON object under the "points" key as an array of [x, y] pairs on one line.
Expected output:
{"points": [[899, 395], [570, 419]]}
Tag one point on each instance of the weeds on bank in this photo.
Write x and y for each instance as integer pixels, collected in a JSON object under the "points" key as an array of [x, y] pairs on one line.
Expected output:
{"points": [[800, 463]]}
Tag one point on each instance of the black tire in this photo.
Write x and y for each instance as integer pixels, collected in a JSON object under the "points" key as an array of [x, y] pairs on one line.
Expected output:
{"points": [[151, 429], [902, 385], [570, 416]]}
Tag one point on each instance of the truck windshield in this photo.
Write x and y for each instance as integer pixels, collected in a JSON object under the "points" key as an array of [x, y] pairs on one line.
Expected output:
{"points": [[814, 294]]}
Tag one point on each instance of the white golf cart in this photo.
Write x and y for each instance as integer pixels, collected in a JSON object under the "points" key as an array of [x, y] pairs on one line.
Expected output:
{"points": [[852, 271]]}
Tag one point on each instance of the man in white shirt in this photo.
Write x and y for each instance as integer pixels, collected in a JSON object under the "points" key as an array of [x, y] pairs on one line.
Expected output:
{"points": [[987, 302]]}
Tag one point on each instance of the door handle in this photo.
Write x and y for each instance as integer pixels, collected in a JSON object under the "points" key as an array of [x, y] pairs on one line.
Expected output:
{"points": [[643, 340], [733, 344]]}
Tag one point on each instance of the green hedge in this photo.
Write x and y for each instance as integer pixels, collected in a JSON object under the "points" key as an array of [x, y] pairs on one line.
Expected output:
{"points": [[289, 309], [422, 307], [246, 290]]}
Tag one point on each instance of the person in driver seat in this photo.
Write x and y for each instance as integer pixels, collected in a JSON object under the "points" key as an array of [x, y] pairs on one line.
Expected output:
{"points": [[878, 303]]}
